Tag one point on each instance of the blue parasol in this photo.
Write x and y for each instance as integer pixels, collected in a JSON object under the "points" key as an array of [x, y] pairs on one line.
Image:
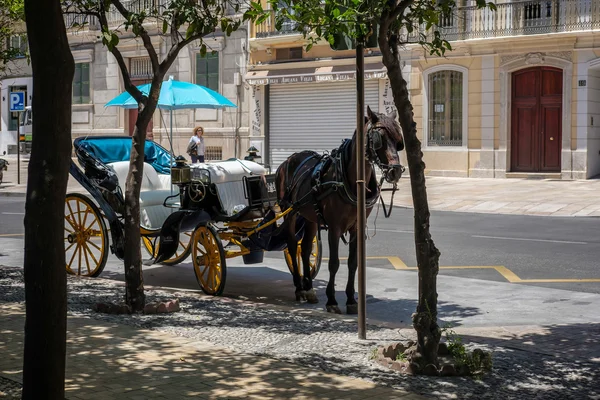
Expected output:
{"points": [[176, 95]]}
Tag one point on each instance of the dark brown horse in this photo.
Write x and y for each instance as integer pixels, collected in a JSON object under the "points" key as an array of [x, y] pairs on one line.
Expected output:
{"points": [[322, 189]]}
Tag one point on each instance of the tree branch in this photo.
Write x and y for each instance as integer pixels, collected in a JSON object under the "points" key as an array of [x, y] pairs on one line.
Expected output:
{"points": [[143, 34], [174, 51], [129, 86]]}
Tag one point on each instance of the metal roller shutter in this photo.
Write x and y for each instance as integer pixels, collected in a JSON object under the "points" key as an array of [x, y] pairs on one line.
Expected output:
{"points": [[316, 116]]}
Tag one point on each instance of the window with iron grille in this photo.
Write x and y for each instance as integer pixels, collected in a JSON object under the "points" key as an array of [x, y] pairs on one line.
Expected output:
{"points": [[18, 45], [140, 68], [292, 53], [213, 153], [445, 108], [207, 71], [81, 84]]}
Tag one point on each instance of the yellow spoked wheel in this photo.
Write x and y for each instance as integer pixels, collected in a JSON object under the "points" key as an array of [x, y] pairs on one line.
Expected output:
{"points": [[315, 258], [183, 250], [208, 258], [86, 236]]}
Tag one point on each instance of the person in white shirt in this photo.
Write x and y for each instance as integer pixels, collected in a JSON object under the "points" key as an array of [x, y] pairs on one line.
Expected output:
{"points": [[197, 151]]}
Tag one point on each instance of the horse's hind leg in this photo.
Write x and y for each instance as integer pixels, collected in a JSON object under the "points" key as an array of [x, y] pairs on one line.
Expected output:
{"points": [[351, 305], [310, 231], [334, 265]]}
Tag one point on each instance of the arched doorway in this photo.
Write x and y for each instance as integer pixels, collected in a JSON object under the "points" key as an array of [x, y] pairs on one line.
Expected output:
{"points": [[536, 114]]}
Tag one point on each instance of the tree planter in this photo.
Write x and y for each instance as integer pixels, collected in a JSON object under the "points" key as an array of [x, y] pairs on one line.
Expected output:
{"points": [[397, 357]]}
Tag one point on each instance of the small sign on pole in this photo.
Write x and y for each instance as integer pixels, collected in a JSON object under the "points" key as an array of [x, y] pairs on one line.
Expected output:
{"points": [[17, 101], [17, 104]]}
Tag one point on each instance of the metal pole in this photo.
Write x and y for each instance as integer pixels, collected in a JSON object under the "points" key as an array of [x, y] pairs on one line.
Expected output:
{"points": [[361, 214], [171, 142], [19, 149]]}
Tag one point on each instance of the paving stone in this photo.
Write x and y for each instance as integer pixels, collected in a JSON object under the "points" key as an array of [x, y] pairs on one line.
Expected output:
{"points": [[277, 354]]}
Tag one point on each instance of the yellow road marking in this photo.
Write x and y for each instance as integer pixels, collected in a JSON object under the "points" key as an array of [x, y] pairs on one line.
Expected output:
{"points": [[12, 234], [506, 273], [559, 280]]}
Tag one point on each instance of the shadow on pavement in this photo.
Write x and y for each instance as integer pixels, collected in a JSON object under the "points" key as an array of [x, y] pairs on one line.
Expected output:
{"points": [[533, 362], [114, 360]]}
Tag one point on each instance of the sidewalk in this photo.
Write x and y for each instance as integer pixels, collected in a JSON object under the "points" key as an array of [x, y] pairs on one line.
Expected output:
{"points": [[493, 196], [112, 361], [506, 196], [10, 185]]}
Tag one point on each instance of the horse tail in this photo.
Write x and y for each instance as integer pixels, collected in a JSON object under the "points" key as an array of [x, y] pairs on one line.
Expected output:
{"points": [[280, 181]]}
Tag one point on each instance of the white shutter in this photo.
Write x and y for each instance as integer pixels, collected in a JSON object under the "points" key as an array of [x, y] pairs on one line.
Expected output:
{"points": [[315, 116]]}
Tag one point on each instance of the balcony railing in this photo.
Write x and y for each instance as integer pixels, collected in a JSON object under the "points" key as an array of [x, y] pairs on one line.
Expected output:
{"points": [[521, 18], [80, 22], [267, 28], [514, 18]]}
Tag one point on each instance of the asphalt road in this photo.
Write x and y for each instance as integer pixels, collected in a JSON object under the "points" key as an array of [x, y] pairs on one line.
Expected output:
{"points": [[556, 250]]}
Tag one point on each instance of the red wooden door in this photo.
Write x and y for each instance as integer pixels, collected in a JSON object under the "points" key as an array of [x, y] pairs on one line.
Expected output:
{"points": [[133, 113], [536, 120]]}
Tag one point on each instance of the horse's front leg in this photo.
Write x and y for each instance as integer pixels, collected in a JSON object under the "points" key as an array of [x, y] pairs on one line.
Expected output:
{"points": [[292, 247], [351, 305], [310, 231], [334, 265]]}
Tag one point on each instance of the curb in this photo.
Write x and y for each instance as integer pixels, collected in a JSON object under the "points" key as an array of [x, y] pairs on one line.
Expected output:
{"points": [[12, 194]]}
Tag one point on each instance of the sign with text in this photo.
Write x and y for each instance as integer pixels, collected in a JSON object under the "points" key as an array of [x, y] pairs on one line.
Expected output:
{"points": [[17, 101]]}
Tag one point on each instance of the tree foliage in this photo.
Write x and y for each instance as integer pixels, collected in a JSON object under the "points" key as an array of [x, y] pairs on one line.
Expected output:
{"points": [[179, 22], [417, 21], [12, 16]]}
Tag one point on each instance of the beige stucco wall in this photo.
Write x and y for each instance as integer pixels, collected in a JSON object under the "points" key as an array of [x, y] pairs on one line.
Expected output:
{"points": [[450, 161]]}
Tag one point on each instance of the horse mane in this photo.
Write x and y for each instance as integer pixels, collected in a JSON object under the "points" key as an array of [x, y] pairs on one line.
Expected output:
{"points": [[391, 126]]}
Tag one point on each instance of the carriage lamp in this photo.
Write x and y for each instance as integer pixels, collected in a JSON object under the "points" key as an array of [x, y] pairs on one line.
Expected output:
{"points": [[180, 173], [200, 175], [252, 154]]}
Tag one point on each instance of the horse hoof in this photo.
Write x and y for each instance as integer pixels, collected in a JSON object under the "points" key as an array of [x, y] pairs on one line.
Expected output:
{"points": [[311, 297], [352, 309], [301, 295], [334, 309]]}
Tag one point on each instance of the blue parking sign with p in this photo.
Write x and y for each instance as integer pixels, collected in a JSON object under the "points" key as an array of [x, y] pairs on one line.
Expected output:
{"points": [[17, 101]]}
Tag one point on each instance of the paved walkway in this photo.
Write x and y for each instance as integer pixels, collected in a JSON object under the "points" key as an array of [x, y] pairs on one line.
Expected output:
{"points": [[112, 361], [506, 196], [498, 196]]}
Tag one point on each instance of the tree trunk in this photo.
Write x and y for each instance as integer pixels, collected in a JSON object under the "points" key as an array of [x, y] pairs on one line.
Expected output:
{"points": [[425, 318], [134, 279], [45, 275]]}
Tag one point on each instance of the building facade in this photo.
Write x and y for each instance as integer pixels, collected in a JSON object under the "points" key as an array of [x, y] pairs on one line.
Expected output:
{"points": [[98, 79], [516, 97]]}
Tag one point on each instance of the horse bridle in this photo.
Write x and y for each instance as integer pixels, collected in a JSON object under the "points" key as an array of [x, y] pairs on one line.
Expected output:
{"points": [[375, 143]]}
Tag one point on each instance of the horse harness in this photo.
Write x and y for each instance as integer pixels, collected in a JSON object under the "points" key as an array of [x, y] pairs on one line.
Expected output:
{"points": [[334, 163]]}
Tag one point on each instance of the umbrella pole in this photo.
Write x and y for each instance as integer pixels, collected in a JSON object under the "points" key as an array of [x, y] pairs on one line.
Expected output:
{"points": [[171, 141]]}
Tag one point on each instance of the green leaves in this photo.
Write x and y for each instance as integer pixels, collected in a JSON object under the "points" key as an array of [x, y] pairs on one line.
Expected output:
{"points": [[183, 20], [110, 39], [342, 23], [12, 13]]}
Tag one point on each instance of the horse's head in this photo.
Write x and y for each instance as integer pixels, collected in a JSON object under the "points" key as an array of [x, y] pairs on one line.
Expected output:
{"points": [[384, 141]]}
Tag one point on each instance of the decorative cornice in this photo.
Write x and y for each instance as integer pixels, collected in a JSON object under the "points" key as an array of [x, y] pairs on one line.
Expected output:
{"points": [[536, 57], [565, 55], [509, 58]]}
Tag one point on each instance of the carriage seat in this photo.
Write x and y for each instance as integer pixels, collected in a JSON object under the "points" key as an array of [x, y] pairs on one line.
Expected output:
{"points": [[228, 177], [155, 189]]}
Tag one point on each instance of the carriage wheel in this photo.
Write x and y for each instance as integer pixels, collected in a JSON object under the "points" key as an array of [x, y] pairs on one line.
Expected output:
{"points": [[208, 258], [86, 236], [182, 252], [315, 258]]}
